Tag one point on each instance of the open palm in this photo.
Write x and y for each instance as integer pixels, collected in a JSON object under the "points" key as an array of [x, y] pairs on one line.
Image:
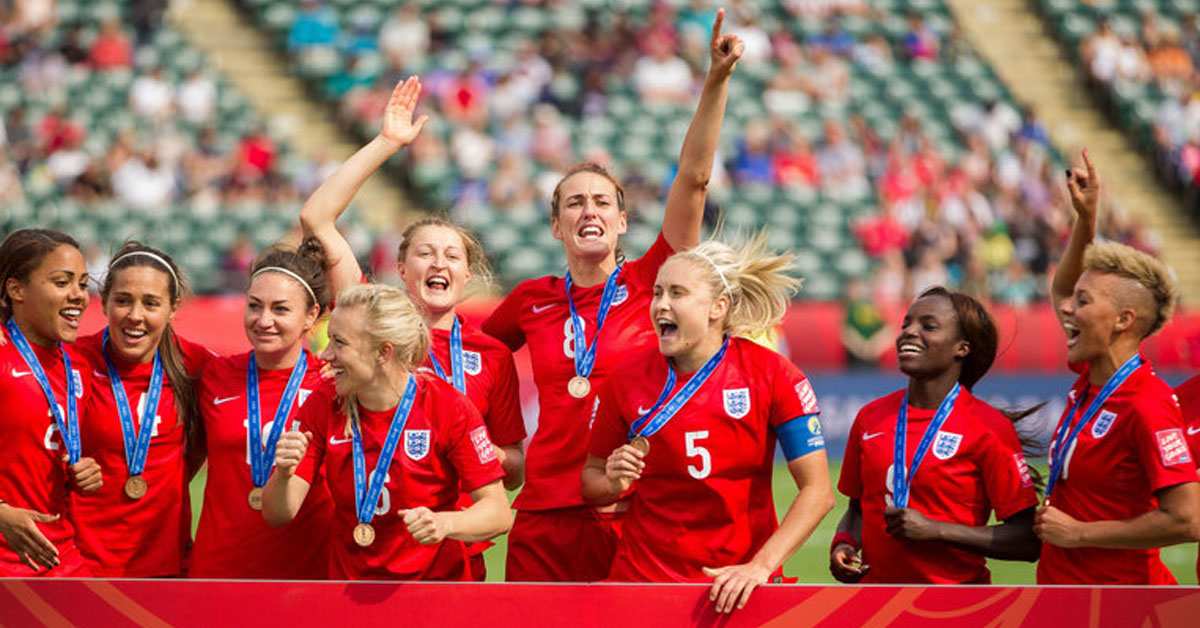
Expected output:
{"points": [[398, 125]]}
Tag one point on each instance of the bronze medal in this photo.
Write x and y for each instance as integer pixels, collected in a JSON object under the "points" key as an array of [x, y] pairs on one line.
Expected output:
{"points": [[256, 498], [135, 487], [364, 534], [641, 443], [579, 387]]}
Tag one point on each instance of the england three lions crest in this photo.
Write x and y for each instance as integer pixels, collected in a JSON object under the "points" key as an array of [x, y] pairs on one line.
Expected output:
{"points": [[946, 445], [472, 363], [737, 402], [1103, 423], [416, 443]]}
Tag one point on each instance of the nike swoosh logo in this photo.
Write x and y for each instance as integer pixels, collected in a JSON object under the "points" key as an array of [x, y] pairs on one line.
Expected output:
{"points": [[220, 400], [16, 373], [538, 309], [96, 373], [644, 411], [872, 435], [337, 441], [1192, 431]]}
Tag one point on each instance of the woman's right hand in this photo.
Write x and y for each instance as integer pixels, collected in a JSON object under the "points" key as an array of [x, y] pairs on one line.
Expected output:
{"points": [[19, 527], [290, 450], [399, 130], [1083, 186], [845, 563], [624, 466]]}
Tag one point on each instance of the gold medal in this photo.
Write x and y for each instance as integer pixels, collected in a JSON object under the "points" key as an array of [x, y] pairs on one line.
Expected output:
{"points": [[641, 443], [579, 387], [135, 487], [364, 534], [256, 498]]}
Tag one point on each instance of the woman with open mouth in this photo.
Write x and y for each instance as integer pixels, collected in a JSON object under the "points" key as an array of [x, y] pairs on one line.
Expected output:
{"points": [[247, 402], [687, 431], [932, 527], [395, 445], [581, 327], [44, 385], [1122, 480], [139, 524], [437, 261]]}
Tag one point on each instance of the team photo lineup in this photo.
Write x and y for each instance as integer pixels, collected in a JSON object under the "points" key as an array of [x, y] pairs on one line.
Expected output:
{"points": [[373, 431]]}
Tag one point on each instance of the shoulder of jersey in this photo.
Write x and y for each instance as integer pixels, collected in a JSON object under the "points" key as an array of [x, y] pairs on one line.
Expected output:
{"points": [[990, 416], [1189, 391], [478, 339], [877, 407], [89, 348]]}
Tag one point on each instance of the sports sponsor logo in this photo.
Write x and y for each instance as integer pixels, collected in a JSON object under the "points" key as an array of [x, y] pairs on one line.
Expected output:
{"points": [[223, 400], [416, 443], [946, 444], [19, 374], [538, 309], [1023, 470], [737, 402], [1172, 447], [814, 425], [808, 399], [869, 435], [472, 362], [483, 445], [1103, 423], [334, 440], [1192, 431]]}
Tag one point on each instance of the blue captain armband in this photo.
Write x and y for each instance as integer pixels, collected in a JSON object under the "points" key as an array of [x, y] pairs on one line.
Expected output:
{"points": [[800, 436]]}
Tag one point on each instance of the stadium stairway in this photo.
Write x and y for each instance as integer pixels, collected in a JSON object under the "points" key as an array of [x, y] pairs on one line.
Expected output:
{"points": [[1016, 42], [250, 60]]}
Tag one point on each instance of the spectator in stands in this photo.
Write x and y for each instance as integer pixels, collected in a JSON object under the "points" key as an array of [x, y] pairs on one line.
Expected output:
{"points": [[256, 155], [660, 76], [752, 163], [842, 164], [404, 38], [146, 16], [196, 97], [151, 96], [920, 42], [144, 184], [875, 54], [111, 49], [314, 25], [794, 164], [829, 78], [866, 335]]}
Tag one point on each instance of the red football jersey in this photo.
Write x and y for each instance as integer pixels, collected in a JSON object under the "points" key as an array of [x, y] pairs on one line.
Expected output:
{"points": [[1188, 395], [444, 446], [32, 472], [1135, 446], [704, 498], [536, 312], [492, 386], [233, 539], [122, 537], [973, 467]]}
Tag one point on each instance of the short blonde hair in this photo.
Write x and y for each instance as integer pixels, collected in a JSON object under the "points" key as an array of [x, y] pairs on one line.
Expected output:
{"points": [[751, 276], [390, 317], [1156, 278]]}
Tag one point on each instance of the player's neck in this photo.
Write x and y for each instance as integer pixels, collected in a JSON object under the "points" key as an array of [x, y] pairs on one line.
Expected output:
{"points": [[384, 392], [441, 320], [928, 393], [281, 360], [1104, 365], [693, 360], [586, 273], [31, 334]]}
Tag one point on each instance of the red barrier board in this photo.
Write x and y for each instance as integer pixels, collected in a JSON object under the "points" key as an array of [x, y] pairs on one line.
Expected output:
{"points": [[298, 604]]}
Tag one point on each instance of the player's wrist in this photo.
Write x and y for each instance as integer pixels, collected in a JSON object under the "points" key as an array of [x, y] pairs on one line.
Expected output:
{"points": [[844, 538]]}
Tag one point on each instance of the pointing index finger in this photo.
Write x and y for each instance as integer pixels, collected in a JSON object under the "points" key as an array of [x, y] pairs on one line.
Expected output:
{"points": [[716, 30], [1091, 169]]}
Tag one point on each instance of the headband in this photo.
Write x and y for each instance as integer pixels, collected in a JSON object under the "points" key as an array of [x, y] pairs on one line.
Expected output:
{"points": [[152, 256], [720, 275], [291, 274]]}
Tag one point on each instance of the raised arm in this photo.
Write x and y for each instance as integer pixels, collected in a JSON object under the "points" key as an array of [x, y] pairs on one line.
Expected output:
{"points": [[1083, 186], [685, 201], [319, 215]]}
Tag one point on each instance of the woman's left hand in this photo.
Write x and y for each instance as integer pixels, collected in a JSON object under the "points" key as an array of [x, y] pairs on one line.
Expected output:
{"points": [[426, 526], [86, 475], [733, 585], [909, 523], [1056, 527]]}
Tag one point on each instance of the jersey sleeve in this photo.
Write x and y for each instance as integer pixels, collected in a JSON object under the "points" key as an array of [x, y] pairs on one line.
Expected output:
{"points": [[316, 416], [1188, 395], [468, 445], [504, 420], [1160, 441], [645, 268], [1006, 476], [609, 430], [792, 395], [504, 323], [850, 482], [195, 356]]}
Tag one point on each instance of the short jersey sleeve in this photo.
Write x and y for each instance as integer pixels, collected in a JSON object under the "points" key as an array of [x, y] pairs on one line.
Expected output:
{"points": [[317, 416], [504, 323], [195, 356], [609, 430], [468, 444], [1160, 441], [1006, 476], [504, 420], [644, 269], [850, 482], [792, 394]]}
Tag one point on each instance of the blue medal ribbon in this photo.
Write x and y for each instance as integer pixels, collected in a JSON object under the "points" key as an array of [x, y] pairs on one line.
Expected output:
{"points": [[1066, 434], [68, 427], [903, 477], [458, 377], [585, 354], [654, 420], [366, 496], [137, 443], [262, 455]]}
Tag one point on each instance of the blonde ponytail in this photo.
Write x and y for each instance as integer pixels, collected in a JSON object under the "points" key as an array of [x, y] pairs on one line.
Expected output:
{"points": [[752, 277]]}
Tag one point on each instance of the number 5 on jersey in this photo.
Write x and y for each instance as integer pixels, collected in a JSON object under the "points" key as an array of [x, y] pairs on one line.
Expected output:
{"points": [[690, 440]]}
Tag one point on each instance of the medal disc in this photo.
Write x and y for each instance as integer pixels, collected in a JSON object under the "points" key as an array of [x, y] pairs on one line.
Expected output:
{"points": [[641, 443], [135, 487], [364, 534], [579, 387], [256, 498]]}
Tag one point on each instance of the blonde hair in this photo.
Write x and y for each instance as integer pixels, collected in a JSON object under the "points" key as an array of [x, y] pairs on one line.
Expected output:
{"points": [[751, 276], [477, 261], [1112, 258]]}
